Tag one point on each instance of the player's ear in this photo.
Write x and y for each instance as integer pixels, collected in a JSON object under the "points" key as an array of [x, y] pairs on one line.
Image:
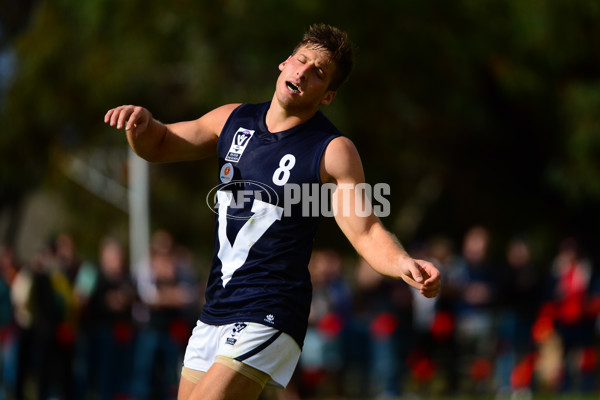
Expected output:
{"points": [[328, 98], [282, 65]]}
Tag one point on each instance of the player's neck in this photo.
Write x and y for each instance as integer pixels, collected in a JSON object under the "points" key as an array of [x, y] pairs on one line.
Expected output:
{"points": [[279, 119]]}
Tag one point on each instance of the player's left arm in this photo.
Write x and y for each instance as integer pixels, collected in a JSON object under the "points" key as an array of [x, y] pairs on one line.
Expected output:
{"points": [[342, 166]]}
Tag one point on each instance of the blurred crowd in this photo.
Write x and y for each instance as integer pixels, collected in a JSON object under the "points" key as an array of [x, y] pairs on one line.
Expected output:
{"points": [[77, 329], [502, 326]]}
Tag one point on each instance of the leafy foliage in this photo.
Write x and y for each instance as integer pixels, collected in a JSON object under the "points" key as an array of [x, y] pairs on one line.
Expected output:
{"points": [[489, 107]]}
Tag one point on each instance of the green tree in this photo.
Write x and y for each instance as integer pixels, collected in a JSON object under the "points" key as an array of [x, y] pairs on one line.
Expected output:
{"points": [[475, 112]]}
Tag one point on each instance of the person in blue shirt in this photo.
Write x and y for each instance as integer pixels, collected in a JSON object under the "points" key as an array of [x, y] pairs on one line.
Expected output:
{"points": [[251, 330]]}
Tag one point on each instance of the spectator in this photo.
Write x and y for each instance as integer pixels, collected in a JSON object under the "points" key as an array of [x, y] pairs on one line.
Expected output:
{"points": [[8, 331], [168, 294], [66, 256], [433, 352], [475, 279], [66, 264], [47, 304], [111, 326], [519, 301], [381, 331], [572, 274], [20, 292], [322, 361]]}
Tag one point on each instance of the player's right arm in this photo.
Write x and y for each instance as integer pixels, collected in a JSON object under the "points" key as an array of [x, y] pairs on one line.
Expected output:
{"points": [[182, 141], [342, 166]]}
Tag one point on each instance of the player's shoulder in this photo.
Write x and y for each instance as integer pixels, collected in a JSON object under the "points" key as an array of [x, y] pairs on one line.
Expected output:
{"points": [[214, 120], [340, 159], [341, 148], [225, 110], [220, 113]]}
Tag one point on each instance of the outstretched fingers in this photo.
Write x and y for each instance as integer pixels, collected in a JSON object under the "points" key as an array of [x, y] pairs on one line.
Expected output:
{"points": [[134, 118], [117, 116], [128, 117]]}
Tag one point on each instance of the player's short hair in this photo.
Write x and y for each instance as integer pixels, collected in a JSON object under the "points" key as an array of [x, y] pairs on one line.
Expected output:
{"points": [[336, 43]]}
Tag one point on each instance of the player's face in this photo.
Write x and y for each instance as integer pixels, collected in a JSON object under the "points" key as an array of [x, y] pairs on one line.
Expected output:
{"points": [[304, 79]]}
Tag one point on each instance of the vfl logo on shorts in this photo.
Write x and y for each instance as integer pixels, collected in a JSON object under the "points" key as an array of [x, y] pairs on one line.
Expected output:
{"points": [[240, 141], [237, 328]]}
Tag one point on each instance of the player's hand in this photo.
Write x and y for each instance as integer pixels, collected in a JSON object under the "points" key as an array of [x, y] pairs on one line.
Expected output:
{"points": [[422, 275], [134, 119]]}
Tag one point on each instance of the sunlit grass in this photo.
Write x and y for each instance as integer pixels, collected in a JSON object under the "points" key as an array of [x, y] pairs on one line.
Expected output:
{"points": [[594, 396], [534, 397]]}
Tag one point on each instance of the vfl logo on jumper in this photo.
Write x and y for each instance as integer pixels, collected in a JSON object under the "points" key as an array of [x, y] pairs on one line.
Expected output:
{"points": [[237, 328], [240, 141]]}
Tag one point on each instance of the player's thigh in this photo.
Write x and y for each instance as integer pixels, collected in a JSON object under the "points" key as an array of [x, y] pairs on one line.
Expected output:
{"points": [[187, 382], [186, 388], [223, 383]]}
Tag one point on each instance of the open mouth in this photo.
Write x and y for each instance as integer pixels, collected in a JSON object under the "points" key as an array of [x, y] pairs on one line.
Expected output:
{"points": [[293, 87]]}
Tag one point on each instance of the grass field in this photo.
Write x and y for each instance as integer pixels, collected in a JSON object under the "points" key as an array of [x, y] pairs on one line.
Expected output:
{"points": [[595, 396], [534, 397]]}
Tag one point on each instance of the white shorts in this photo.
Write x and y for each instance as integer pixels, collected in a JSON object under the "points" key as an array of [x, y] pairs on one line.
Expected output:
{"points": [[259, 346]]}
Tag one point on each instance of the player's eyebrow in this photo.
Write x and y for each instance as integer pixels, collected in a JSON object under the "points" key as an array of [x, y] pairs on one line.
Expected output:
{"points": [[323, 67]]}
